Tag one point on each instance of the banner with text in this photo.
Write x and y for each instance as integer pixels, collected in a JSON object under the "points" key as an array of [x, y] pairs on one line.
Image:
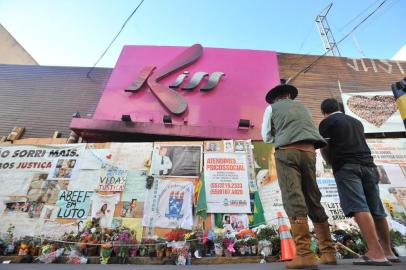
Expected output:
{"points": [[226, 183], [74, 204]]}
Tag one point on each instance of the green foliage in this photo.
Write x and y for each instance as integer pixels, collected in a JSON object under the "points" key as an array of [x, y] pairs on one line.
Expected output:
{"points": [[397, 238]]}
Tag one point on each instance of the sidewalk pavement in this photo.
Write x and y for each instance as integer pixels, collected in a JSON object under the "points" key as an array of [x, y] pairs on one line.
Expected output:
{"points": [[343, 264]]}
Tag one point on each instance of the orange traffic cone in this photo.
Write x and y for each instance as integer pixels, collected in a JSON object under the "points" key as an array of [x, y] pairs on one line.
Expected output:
{"points": [[288, 249]]}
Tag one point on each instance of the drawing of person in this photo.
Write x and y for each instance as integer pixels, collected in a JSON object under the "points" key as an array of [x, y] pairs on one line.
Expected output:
{"points": [[102, 211], [102, 215]]}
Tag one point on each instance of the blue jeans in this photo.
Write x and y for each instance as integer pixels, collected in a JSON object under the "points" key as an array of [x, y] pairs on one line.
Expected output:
{"points": [[359, 190]]}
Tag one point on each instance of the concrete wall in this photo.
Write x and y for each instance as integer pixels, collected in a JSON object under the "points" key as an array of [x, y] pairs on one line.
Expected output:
{"points": [[401, 54], [11, 52]]}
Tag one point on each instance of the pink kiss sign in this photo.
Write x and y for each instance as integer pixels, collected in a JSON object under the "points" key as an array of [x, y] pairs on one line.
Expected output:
{"points": [[205, 92]]}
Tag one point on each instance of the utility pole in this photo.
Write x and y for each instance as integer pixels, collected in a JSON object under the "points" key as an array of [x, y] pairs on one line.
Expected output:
{"points": [[326, 34]]}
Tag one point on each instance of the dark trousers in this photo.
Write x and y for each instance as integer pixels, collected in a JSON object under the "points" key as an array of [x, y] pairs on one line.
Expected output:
{"points": [[297, 180]]}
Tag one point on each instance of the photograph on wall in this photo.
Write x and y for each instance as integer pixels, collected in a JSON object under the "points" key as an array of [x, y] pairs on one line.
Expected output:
{"points": [[116, 223], [129, 209], [403, 168], [240, 146], [228, 146], [176, 160], [391, 175], [64, 169], [103, 207], [169, 205], [43, 190], [24, 209], [226, 183], [377, 111], [35, 209], [212, 146], [16, 207], [235, 222], [48, 212], [383, 177]]}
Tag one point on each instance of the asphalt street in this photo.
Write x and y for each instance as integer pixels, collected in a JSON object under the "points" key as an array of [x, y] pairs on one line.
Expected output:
{"points": [[343, 264]]}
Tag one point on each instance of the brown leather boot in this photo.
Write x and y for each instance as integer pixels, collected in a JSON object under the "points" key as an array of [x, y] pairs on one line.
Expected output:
{"points": [[305, 258], [326, 245]]}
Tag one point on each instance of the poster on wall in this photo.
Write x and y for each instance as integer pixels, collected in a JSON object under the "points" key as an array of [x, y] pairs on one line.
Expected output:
{"points": [[135, 186], [271, 196], [388, 151], [36, 158], [226, 183], [87, 180], [112, 178], [168, 204], [132, 156], [103, 207], [176, 160], [377, 111], [74, 204]]}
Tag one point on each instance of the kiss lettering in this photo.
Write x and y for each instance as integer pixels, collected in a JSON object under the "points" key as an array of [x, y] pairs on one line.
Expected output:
{"points": [[170, 99]]}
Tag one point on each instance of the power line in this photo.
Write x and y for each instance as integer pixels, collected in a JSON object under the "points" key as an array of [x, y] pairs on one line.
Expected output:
{"points": [[304, 70], [114, 39], [359, 15]]}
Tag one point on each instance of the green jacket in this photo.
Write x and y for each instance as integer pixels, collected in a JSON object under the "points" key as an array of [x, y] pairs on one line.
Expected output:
{"points": [[293, 123]]}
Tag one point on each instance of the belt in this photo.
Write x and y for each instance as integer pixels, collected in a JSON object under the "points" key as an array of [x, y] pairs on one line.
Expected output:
{"points": [[298, 146]]}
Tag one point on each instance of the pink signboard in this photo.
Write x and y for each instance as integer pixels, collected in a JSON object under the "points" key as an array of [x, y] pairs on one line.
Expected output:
{"points": [[209, 91]]}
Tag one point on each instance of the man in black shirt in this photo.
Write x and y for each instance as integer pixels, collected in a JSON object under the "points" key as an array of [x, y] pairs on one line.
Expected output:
{"points": [[357, 180]]}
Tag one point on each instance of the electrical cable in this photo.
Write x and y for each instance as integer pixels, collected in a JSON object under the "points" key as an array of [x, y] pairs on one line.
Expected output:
{"points": [[114, 39], [359, 15], [307, 68]]}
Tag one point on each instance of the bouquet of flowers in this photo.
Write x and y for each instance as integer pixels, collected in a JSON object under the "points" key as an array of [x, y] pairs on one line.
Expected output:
{"points": [[228, 244], [105, 252], [175, 235]]}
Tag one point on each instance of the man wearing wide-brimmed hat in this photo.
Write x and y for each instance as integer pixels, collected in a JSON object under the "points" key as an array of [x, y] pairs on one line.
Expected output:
{"points": [[289, 126]]}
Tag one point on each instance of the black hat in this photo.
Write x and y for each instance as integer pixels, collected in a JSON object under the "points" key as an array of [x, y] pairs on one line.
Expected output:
{"points": [[281, 89]]}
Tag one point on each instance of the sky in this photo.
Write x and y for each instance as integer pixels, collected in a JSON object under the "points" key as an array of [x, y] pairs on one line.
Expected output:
{"points": [[76, 32]]}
